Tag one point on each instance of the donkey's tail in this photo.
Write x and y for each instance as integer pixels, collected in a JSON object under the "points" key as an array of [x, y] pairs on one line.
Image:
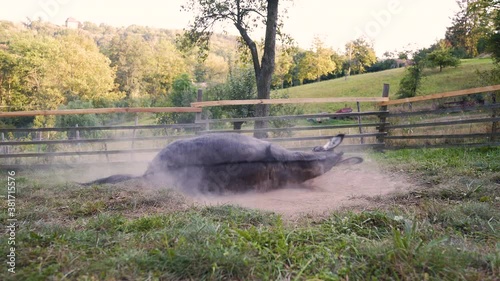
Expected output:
{"points": [[111, 179]]}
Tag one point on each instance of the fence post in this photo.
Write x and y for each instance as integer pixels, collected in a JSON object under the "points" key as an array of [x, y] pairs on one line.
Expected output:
{"points": [[38, 138], [5, 147], [199, 119], [362, 140], [133, 137], [77, 137], [383, 117], [77, 133], [494, 124], [199, 99]]}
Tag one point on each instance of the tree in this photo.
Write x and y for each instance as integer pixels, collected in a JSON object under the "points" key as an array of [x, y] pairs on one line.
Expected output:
{"points": [[360, 55], [83, 73], [214, 69], [442, 57], [410, 83], [305, 66], [471, 26], [284, 65], [164, 65], [491, 77], [40, 71], [323, 63], [490, 9], [131, 56], [245, 16]]}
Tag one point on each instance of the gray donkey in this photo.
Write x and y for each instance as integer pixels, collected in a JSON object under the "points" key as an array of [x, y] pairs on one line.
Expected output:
{"points": [[219, 163]]}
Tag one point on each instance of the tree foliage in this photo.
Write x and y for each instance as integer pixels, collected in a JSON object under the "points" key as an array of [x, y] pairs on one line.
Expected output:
{"points": [[245, 15], [442, 57], [360, 54], [411, 81], [240, 85], [472, 26], [284, 66], [490, 10], [43, 72], [322, 59], [182, 95]]}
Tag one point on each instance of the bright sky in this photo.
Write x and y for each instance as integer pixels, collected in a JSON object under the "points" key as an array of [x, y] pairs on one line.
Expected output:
{"points": [[390, 24]]}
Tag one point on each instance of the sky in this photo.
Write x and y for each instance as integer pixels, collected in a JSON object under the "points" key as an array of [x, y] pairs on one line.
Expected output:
{"points": [[389, 24]]}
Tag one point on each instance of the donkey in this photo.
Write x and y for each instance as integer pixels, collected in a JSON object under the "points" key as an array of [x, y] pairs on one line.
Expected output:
{"points": [[220, 163]]}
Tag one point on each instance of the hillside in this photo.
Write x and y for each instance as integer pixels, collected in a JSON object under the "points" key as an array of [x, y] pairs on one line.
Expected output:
{"points": [[370, 84]]}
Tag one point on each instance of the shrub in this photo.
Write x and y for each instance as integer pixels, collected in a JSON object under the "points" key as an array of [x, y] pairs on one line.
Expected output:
{"points": [[82, 120], [182, 95]]}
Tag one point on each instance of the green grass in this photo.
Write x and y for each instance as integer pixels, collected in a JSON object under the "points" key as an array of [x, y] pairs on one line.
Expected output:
{"points": [[370, 84], [446, 229]]}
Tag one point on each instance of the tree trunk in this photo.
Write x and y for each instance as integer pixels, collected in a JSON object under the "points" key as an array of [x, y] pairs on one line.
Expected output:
{"points": [[265, 72]]}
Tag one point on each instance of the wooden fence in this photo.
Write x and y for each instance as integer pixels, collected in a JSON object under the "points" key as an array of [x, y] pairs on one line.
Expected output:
{"points": [[427, 121], [441, 121]]}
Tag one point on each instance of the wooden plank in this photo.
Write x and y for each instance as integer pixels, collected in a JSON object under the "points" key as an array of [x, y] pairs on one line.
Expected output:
{"points": [[310, 128], [73, 165], [80, 141], [304, 116], [94, 128], [324, 137], [444, 123], [100, 111], [463, 145], [288, 101], [80, 153], [443, 95], [455, 136], [446, 110], [346, 147]]}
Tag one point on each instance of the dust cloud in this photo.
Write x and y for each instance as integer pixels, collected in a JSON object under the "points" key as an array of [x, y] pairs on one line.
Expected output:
{"points": [[344, 186]]}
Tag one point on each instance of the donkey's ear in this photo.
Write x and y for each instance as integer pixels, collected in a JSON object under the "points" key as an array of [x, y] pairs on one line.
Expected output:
{"points": [[334, 142]]}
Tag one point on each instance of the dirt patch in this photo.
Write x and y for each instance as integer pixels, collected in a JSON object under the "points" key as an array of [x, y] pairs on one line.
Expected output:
{"points": [[344, 186]]}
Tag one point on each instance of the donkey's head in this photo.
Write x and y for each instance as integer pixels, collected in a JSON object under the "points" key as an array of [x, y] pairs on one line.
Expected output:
{"points": [[335, 158]]}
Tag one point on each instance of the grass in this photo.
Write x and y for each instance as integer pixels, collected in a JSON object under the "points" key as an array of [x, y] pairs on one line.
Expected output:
{"points": [[446, 229], [365, 85]]}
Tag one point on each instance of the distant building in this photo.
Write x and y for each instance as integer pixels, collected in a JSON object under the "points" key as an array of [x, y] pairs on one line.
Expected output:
{"points": [[73, 23]]}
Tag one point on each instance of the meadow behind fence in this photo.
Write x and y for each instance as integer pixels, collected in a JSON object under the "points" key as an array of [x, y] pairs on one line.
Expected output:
{"points": [[460, 118]]}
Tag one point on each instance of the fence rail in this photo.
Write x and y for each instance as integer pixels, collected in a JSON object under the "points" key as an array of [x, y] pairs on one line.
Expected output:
{"points": [[100, 128], [443, 95], [100, 111], [386, 128], [288, 101]]}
